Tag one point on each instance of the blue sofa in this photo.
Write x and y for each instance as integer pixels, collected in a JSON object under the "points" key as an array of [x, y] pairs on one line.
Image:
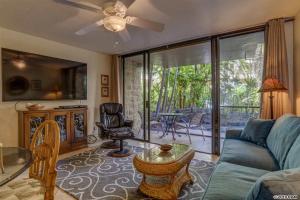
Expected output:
{"points": [[248, 171]]}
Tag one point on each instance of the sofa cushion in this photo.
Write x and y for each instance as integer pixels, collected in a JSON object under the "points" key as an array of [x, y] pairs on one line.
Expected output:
{"points": [[286, 182], [230, 181], [248, 154], [293, 158], [257, 130], [282, 136]]}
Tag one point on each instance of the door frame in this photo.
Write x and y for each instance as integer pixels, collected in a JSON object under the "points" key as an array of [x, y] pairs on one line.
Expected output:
{"points": [[215, 64], [146, 96]]}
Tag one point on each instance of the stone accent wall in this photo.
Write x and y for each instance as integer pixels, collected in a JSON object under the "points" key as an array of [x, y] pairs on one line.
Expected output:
{"points": [[133, 91]]}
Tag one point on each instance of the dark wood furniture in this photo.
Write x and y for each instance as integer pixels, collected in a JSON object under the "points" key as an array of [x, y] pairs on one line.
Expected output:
{"points": [[72, 124]]}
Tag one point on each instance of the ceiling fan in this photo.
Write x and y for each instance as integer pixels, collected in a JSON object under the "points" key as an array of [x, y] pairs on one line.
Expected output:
{"points": [[115, 18]]}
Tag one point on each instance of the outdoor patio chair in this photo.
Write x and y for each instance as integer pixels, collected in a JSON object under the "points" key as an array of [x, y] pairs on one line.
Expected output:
{"points": [[155, 124], [184, 123], [197, 121], [190, 121]]}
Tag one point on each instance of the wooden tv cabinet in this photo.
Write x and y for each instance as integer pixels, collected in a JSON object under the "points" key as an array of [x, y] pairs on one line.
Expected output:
{"points": [[72, 123]]}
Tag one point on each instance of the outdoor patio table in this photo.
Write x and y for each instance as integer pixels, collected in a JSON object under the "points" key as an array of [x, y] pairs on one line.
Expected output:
{"points": [[169, 121]]}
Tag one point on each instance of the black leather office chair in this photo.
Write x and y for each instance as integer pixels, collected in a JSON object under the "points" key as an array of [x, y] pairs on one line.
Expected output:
{"points": [[114, 126]]}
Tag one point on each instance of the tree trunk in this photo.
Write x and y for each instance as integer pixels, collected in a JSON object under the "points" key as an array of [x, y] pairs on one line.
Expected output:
{"points": [[173, 90], [160, 91], [165, 99]]}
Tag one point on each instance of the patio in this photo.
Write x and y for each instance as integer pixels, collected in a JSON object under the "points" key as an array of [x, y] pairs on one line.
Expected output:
{"points": [[232, 117]]}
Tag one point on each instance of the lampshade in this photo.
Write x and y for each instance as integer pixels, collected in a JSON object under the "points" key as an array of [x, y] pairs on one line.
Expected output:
{"points": [[272, 84], [114, 23]]}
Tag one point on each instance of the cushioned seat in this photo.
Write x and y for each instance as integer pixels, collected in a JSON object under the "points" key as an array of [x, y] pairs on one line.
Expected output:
{"points": [[248, 154], [230, 182], [123, 133]]}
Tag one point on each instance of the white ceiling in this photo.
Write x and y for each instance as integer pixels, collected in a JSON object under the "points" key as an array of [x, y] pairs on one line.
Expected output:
{"points": [[183, 19]]}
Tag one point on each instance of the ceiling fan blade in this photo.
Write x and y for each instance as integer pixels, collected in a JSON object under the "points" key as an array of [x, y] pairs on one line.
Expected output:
{"points": [[144, 23], [127, 3], [124, 35], [89, 28], [81, 4]]}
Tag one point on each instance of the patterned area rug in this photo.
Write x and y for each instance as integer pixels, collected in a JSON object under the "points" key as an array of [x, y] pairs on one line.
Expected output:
{"points": [[93, 175]]}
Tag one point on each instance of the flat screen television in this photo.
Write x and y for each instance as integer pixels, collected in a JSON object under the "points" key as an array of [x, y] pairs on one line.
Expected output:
{"points": [[27, 76]]}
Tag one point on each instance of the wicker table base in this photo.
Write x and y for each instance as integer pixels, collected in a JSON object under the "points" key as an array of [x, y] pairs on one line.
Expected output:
{"points": [[164, 180]]}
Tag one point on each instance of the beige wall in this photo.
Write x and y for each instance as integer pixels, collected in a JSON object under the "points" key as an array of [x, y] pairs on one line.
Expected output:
{"points": [[297, 63], [97, 64]]}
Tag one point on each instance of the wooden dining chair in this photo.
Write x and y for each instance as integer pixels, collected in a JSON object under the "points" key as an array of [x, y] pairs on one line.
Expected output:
{"points": [[42, 174]]}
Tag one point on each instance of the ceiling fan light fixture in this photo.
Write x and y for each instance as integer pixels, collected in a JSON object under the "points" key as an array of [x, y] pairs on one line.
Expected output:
{"points": [[114, 23]]}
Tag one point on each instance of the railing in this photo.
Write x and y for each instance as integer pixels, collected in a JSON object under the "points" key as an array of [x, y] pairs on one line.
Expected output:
{"points": [[237, 116], [252, 109], [230, 116]]}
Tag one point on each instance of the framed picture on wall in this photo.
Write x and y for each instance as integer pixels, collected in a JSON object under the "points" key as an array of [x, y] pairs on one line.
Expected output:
{"points": [[104, 80], [104, 91]]}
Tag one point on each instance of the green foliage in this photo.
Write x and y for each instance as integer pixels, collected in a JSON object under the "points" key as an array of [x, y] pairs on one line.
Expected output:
{"points": [[239, 83], [191, 85]]}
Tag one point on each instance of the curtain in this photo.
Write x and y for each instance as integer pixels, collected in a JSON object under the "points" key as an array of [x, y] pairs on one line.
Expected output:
{"points": [[115, 75], [276, 67]]}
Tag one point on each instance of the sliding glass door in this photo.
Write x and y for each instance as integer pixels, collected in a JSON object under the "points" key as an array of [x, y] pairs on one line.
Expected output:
{"points": [[180, 96], [192, 93], [135, 94], [241, 68]]}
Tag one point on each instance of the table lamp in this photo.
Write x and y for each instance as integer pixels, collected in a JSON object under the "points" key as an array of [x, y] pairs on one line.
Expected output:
{"points": [[272, 85]]}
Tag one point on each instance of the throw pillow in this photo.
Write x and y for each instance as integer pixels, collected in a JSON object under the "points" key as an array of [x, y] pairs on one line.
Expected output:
{"points": [[257, 131]]}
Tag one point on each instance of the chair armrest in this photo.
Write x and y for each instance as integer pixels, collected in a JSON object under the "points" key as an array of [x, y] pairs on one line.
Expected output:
{"points": [[101, 126], [233, 134], [128, 123]]}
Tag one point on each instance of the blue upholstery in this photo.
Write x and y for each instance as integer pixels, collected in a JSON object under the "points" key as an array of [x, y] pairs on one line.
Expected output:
{"points": [[257, 130], [248, 154], [249, 171], [233, 134], [231, 182], [286, 182], [293, 157], [282, 136]]}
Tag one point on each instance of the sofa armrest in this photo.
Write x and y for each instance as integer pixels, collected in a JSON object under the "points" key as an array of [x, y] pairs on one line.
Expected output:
{"points": [[233, 134], [128, 123], [277, 185]]}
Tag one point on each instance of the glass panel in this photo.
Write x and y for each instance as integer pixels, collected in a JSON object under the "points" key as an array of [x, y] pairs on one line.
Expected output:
{"points": [[155, 155], [79, 131], [62, 123], [241, 68], [35, 122], [15, 161], [134, 93], [181, 84]]}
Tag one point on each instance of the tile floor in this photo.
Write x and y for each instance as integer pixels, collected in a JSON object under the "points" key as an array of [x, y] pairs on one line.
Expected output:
{"points": [[199, 143], [61, 195]]}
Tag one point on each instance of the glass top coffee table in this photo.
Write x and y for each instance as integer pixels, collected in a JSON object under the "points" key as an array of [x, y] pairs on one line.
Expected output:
{"points": [[15, 160], [164, 173]]}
